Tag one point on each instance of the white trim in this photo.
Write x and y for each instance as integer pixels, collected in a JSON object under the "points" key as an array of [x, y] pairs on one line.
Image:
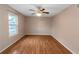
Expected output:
{"points": [[51, 35], [36, 34], [13, 14], [63, 44]]}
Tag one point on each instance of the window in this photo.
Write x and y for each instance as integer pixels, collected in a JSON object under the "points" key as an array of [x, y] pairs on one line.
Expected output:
{"points": [[13, 24]]}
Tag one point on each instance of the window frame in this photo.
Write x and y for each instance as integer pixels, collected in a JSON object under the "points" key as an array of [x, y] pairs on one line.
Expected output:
{"points": [[13, 14]]}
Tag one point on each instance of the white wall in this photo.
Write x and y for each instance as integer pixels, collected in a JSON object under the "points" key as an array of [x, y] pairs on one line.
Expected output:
{"points": [[65, 28], [38, 26], [5, 40]]}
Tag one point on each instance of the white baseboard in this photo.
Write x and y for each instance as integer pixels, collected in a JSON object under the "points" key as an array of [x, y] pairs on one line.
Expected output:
{"points": [[10, 44], [63, 44], [33, 34], [37, 34]]}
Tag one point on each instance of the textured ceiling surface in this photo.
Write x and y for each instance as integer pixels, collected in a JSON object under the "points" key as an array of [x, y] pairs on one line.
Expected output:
{"points": [[52, 8]]}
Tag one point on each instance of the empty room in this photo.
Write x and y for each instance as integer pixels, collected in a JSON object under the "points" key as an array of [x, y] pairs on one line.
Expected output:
{"points": [[39, 28]]}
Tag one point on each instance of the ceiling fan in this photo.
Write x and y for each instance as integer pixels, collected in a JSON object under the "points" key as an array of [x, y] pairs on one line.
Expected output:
{"points": [[39, 11]]}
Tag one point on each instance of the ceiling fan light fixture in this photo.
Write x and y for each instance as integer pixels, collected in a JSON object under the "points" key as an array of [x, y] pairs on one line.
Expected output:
{"points": [[38, 14]]}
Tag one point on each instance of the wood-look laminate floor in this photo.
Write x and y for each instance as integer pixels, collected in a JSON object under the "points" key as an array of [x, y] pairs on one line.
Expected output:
{"points": [[37, 44]]}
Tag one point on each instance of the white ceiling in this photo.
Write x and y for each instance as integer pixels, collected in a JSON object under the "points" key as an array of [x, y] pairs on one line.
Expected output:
{"points": [[52, 8]]}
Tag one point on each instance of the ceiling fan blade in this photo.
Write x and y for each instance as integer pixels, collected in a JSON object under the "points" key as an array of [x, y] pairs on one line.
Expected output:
{"points": [[42, 9], [38, 7], [33, 13], [46, 12], [31, 10]]}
